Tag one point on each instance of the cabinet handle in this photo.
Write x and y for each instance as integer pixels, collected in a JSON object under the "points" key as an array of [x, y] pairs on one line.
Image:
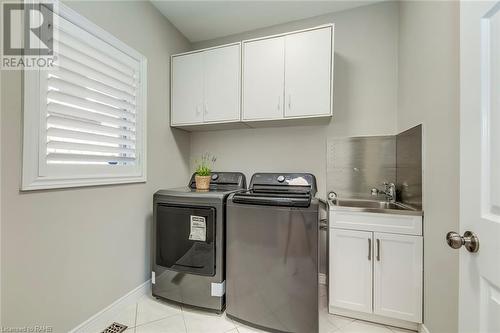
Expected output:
{"points": [[279, 103], [206, 108], [378, 249], [289, 101], [369, 249]]}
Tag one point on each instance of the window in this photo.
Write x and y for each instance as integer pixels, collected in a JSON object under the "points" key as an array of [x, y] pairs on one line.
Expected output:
{"points": [[85, 119]]}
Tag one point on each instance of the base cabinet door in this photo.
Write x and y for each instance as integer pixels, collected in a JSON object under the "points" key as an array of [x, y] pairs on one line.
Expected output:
{"points": [[350, 275], [397, 280]]}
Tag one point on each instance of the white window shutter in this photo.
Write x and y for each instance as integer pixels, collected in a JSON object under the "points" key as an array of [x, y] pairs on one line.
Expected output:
{"points": [[92, 110]]}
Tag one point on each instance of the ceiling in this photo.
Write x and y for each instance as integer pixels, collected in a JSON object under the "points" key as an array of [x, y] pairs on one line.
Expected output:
{"points": [[204, 20]]}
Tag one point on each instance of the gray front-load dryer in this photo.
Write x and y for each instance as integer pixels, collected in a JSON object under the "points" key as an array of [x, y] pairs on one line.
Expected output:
{"points": [[189, 242]]}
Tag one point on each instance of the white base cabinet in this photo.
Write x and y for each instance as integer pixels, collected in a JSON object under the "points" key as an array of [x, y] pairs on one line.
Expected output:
{"points": [[376, 273]]}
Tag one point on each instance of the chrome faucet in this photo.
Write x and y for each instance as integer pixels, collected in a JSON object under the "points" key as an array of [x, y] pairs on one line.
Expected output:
{"points": [[389, 191]]}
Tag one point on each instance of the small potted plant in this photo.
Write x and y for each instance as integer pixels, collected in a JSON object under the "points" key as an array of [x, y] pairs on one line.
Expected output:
{"points": [[203, 170]]}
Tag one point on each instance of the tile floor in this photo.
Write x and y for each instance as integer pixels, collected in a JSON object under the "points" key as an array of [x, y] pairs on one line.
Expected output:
{"points": [[152, 316]]}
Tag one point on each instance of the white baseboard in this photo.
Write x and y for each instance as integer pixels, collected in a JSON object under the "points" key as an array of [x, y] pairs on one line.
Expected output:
{"points": [[100, 320], [423, 329], [322, 278], [374, 318]]}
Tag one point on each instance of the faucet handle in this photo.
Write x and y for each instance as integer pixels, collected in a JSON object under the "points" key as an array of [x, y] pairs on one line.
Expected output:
{"points": [[374, 192]]}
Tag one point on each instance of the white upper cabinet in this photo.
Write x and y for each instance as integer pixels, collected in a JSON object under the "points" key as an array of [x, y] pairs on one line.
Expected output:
{"points": [[206, 86], [187, 89], [285, 76], [263, 73], [222, 84], [308, 61], [288, 76]]}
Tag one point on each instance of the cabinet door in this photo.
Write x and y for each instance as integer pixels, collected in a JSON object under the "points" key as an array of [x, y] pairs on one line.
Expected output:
{"points": [[222, 84], [398, 276], [187, 89], [263, 79], [308, 61], [351, 254]]}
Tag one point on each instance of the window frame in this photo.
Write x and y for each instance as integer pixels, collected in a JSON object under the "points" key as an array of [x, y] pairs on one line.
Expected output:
{"points": [[34, 125]]}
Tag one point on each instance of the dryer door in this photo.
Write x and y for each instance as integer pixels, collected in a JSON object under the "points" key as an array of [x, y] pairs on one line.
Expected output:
{"points": [[185, 239]]}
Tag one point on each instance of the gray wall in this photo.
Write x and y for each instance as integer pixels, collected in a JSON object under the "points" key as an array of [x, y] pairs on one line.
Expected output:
{"points": [[67, 254], [429, 94], [365, 100]]}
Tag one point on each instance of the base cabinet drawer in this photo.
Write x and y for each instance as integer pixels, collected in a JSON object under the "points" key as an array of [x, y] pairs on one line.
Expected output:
{"points": [[376, 273], [377, 222]]}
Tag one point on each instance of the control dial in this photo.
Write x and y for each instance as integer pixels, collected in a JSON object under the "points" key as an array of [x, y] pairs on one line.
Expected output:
{"points": [[281, 178], [215, 176]]}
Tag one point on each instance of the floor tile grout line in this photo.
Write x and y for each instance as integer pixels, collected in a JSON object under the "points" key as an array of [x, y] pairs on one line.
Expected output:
{"points": [[162, 318], [184, 319], [135, 317]]}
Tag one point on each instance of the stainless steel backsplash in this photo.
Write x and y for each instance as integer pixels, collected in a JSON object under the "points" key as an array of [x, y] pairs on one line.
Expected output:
{"points": [[355, 165], [358, 164], [409, 166]]}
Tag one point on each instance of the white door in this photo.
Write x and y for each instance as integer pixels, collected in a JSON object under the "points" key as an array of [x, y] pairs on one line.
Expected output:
{"points": [[222, 84], [308, 61], [187, 89], [479, 299], [263, 79], [351, 254], [397, 276]]}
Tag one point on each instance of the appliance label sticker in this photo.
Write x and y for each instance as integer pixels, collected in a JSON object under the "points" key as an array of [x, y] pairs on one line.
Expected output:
{"points": [[198, 229]]}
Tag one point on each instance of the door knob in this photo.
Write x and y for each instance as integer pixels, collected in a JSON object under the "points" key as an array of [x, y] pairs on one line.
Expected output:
{"points": [[469, 240]]}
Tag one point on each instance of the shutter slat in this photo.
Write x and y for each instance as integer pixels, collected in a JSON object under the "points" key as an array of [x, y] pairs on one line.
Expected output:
{"points": [[61, 98], [59, 109], [92, 101], [82, 58], [83, 81], [82, 69], [57, 121], [89, 147], [81, 92], [82, 46], [99, 139], [54, 157]]}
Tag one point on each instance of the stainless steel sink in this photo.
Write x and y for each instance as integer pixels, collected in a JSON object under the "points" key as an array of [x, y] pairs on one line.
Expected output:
{"points": [[374, 206]]}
